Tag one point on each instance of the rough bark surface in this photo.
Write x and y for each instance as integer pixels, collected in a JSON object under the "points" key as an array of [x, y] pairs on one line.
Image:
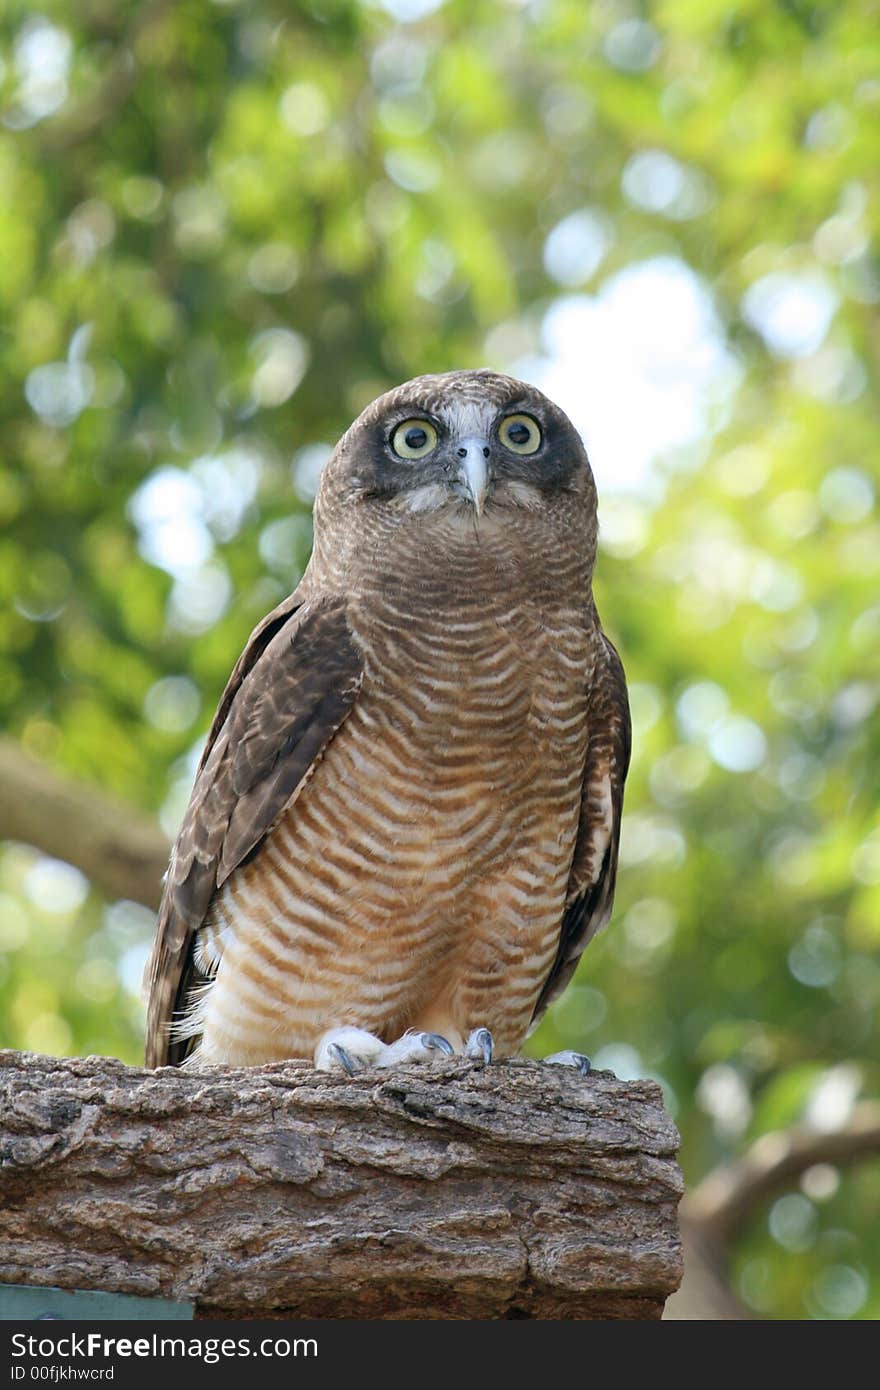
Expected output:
{"points": [[517, 1190]]}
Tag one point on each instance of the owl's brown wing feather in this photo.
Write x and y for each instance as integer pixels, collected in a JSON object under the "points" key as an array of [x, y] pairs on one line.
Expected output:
{"points": [[590, 893], [290, 691]]}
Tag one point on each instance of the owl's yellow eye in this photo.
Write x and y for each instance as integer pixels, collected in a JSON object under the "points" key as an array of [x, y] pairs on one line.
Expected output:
{"points": [[414, 439], [520, 433]]}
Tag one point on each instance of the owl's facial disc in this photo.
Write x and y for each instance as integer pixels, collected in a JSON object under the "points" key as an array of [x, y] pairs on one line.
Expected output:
{"points": [[463, 455], [445, 466], [473, 452]]}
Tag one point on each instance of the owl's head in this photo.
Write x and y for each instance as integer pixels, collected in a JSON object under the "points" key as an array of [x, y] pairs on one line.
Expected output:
{"points": [[469, 444]]}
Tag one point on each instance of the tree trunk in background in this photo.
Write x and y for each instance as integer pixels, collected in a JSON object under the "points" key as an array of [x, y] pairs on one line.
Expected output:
{"points": [[122, 851]]}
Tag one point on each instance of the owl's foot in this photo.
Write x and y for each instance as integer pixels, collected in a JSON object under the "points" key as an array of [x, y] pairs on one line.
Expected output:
{"points": [[348, 1049], [354, 1050], [416, 1047], [570, 1059], [480, 1046]]}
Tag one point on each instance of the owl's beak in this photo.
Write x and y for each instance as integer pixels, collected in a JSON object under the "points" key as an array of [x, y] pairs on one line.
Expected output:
{"points": [[473, 470]]}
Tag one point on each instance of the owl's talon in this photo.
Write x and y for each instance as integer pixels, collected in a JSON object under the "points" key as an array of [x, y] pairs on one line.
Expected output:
{"points": [[350, 1065], [415, 1047], [569, 1058], [480, 1046], [351, 1050]]}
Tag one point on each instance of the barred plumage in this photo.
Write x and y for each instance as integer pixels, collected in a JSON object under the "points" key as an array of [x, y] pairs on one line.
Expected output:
{"points": [[408, 809]]}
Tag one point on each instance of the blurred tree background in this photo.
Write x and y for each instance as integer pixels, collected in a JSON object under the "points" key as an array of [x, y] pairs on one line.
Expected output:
{"points": [[225, 227]]}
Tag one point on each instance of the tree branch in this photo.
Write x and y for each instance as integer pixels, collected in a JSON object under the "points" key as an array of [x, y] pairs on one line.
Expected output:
{"points": [[728, 1196], [452, 1191], [713, 1214], [123, 852]]}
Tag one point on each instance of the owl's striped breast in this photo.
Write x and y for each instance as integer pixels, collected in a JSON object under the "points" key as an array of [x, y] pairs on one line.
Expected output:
{"points": [[419, 878]]}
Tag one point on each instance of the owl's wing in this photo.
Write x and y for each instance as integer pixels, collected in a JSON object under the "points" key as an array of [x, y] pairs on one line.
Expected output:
{"points": [[594, 867], [290, 691]]}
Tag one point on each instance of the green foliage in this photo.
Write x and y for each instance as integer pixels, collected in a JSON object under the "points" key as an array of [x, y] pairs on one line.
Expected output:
{"points": [[226, 227]]}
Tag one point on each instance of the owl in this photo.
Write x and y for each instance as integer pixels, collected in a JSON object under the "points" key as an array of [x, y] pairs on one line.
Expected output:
{"points": [[404, 827]]}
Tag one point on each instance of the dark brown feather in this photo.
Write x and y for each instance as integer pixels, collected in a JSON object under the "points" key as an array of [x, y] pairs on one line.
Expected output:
{"points": [[290, 691], [590, 894]]}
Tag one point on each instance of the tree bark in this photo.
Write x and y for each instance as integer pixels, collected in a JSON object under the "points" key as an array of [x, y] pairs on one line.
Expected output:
{"points": [[519, 1190]]}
